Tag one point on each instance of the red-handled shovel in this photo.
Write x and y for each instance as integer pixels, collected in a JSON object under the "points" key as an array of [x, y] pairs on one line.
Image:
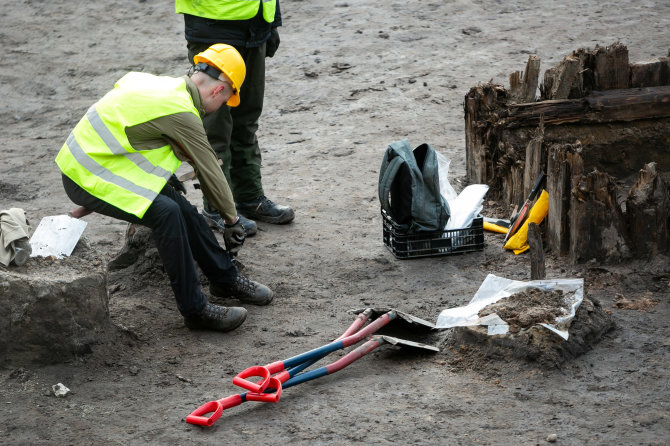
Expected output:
{"points": [[216, 408], [269, 388]]}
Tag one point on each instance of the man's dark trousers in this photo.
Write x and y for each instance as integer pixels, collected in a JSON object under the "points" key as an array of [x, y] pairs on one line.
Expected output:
{"points": [[181, 235]]}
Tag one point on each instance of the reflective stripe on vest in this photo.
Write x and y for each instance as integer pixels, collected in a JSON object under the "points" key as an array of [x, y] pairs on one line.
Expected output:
{"points": [[98, 156], [227, 9]]}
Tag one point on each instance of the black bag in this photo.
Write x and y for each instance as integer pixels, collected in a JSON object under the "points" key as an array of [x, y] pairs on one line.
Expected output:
{"points": [[409, 188]]}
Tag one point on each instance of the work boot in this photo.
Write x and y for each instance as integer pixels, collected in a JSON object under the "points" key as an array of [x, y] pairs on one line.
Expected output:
{"points": [[216, 317], [264, 209], [215, 221], [246, 290]]}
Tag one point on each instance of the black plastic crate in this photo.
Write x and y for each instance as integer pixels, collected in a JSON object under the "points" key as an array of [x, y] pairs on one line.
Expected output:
{"points": [[431, 244]]}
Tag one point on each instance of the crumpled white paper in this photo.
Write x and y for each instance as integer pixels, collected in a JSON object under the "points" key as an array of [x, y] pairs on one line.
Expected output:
{"points": [[494, 288], [60, 390]]}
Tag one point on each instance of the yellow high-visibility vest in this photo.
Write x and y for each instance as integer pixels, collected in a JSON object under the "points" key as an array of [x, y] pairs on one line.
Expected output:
{"points": [[98, 156], [227, 9]]}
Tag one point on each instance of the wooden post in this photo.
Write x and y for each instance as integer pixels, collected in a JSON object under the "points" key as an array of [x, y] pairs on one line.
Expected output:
{"points": [[611, 67], [480, 105], [564, 162], [537, 266], [648, 213], [560, 80], [536, 159], [597, 228], [650, 74], [523, 86]]}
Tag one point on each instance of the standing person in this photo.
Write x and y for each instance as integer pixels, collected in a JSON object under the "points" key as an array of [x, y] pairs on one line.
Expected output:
{"points": [[120, 161], [251, 27]]}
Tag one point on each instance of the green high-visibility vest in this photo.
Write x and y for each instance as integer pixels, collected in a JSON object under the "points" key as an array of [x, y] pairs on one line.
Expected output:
{"points": [[227, 9], [98, 156]]}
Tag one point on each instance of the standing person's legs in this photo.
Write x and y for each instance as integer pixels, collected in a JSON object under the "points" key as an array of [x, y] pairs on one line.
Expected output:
{"points": [[245, 170], [245, 163], [231, 131], [232, 134], [219, 126]]}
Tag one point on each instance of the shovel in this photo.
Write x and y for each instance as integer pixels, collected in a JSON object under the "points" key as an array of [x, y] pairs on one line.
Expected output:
{"points": [[385, 316], [269, 388], [404, 324]]}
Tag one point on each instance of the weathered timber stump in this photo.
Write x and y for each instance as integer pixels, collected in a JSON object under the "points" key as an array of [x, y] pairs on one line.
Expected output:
{"points": [[52, 310], [538, 269], [600, 130]]}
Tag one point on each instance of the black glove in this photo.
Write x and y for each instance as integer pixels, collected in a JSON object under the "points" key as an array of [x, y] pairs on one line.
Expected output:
{"points": [[233, 236], [272, 43], [178, 185]]}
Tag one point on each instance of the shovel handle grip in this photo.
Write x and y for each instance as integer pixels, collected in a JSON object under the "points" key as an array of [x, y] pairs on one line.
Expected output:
{"points": [[215, 408], [257, 370], [273, 397]]}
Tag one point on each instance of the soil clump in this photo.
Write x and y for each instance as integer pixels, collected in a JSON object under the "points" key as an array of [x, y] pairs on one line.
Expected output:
{"points": [[527, 308]]}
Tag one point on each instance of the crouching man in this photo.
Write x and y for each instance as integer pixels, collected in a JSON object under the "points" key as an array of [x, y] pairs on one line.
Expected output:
{"points": [[120, 161]]}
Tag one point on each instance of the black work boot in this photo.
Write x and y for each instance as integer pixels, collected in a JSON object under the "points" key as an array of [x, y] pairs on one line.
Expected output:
{"points": [[215, 221], [216, 317], [264, 209], [246, 290]]}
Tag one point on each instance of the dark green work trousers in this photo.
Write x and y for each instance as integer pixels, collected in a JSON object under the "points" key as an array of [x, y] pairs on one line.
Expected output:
{"points": [[232, 130]]}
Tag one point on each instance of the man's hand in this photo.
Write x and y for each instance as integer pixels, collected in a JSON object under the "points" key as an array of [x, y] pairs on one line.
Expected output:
{"points": [[176, 184], [272, 43], [233, 236]]}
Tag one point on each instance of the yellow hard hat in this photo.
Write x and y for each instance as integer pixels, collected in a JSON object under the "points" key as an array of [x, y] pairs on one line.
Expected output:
{"points": [[227, 60]]}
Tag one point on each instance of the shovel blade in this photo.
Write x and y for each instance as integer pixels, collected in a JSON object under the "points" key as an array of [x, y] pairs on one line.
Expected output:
{"points": [[56, 236], [407, 343], [404, 321]]}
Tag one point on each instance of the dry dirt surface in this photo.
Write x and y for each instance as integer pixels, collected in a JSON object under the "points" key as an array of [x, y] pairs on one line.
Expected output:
{"points": [[349, 78]]}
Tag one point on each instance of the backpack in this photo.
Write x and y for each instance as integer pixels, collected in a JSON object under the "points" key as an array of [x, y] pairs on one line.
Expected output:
{"points": [[409, 188]]}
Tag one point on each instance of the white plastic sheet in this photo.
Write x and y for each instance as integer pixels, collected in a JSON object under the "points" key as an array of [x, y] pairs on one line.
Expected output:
{"points": [[463, 207], [446, 190], [494, 288]]}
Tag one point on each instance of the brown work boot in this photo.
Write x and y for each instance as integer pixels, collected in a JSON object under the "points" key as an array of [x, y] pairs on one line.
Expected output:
{"points": [[216, 317], [246, 290]]}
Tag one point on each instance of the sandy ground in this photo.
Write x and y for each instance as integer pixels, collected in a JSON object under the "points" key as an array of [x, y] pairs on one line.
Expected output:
{"points": [[348, 79]]}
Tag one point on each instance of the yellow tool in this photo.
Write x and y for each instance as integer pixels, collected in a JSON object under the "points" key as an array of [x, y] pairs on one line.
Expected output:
{"points": [[492, 227]]}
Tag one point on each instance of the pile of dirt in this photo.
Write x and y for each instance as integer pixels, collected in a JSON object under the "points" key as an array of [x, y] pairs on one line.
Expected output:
{"points": [[84, 258], [527, 308], [139, 252], [471, 348]]}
